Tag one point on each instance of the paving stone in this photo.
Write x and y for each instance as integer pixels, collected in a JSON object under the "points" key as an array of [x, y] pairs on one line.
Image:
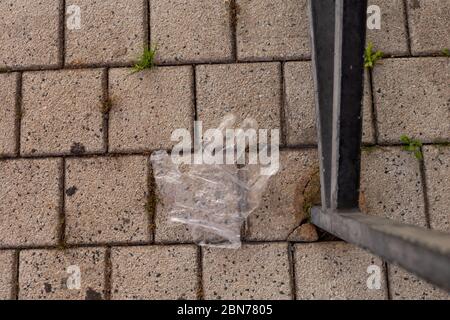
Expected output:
{"points": [[300, 110], [428, 25], [256, 271], [392, 186], [106, 200], [30, 34], [30, 202], [300, 113], [405, 286], [437, 172], [305, 233], [392, 37], [111, 31], [336, 270], [170, 273], [411, 98], [247, 90], [8, 114], [148, 106], [272, 29], [49, 274], [61, 112], [6, 274], [281, 210], [191, 31]]}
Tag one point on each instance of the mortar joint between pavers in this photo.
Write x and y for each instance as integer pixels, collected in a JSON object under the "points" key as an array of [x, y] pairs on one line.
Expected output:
{"points": [[194, 93], [292, 278], [15, 290], [19, 111], [187, 63], [408, 34], [234, 13], [387, 280], [62, 34], [108, 274], [152, 202], [200, 287], [284, 128], [62, 215], [160, 64], [87, 155], [107, 104], [122, 244], [147, 23], [425, 190]]}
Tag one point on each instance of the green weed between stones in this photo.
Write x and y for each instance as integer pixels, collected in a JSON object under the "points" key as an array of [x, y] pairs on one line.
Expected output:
{"points": [[413, 146], [147, 60], [446, 52], [371, 57]]}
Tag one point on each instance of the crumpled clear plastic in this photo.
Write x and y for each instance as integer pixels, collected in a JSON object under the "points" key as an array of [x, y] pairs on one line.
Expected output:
{"points": [[214, 200]]}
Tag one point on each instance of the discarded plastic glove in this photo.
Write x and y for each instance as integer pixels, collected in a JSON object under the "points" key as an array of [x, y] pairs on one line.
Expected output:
{"points": [[214, 200]]}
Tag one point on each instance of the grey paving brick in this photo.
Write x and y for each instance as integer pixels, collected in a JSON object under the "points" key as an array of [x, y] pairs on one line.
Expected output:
{"points": [[437, 172], [148, 106], [191, 31], [411, 98], [405, 286], [281, 209], [30, 202], [61, 112], [48, 274], [30, 34], [428, 25], [247, 90], [170, 272], [256, 271], [391, 38], [305, 233], [111, 31], [269, 29], [392, 186], [300, 113], [336, 270], [8, 114], [106, 200], [7, 263]]}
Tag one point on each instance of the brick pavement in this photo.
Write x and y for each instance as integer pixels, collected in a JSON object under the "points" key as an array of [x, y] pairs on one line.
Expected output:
{"points": [[77, 128]]}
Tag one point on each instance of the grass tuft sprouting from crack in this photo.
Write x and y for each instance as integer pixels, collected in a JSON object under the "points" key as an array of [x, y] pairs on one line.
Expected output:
{"points": [[371, 57], [413, 146], [147, 60]]}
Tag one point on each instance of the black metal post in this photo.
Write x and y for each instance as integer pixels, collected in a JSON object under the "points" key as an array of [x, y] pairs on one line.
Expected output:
{"points": [[350, 37]]}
